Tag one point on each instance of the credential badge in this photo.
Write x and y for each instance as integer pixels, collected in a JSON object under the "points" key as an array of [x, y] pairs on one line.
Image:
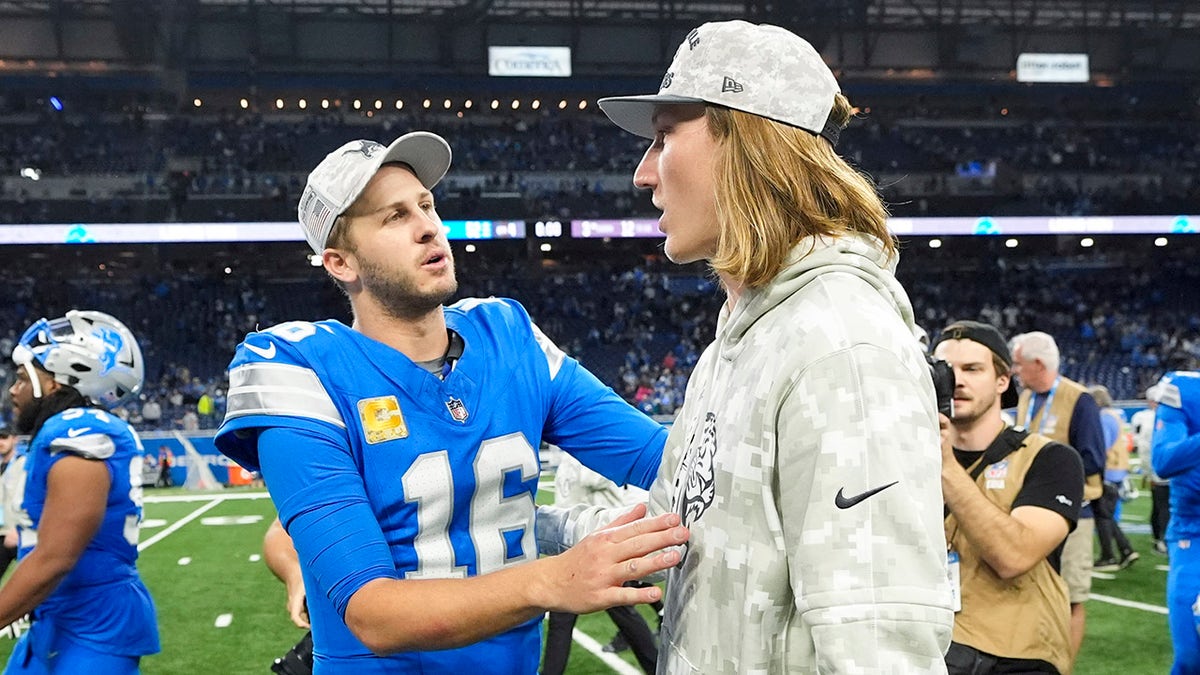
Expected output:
{"points": [[381, 419]]}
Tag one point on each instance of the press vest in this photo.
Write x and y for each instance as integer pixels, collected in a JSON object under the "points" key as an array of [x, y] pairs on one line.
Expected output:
{"points": [[1118, 452], [1027, 617], [1057, 425]]}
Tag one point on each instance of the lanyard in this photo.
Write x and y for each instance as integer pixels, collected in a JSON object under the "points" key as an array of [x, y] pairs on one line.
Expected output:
{"points": [[1045, 407]]}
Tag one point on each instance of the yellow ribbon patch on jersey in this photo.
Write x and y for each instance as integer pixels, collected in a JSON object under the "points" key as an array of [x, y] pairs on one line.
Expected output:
{"points": [[381, 419]]}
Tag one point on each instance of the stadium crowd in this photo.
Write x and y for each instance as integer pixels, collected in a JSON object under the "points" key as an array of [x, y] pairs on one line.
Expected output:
{"points": [[999, 151], [637, 321]]}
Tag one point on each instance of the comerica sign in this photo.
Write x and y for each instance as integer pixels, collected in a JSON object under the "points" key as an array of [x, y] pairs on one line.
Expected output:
{"points": [[529, 61], [1053, 68]]}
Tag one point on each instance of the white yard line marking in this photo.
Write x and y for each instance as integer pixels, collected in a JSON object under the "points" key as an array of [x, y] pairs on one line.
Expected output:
{"points": [[1128, 603], [180, 523], [611, 660]]}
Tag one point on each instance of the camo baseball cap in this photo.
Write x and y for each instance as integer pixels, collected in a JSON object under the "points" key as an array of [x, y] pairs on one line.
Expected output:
{"points": [[760, 69], [344, 173]]}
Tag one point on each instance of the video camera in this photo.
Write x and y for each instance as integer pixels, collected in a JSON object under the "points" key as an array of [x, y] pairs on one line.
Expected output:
{"points": [[943, 384], [298, 660]]}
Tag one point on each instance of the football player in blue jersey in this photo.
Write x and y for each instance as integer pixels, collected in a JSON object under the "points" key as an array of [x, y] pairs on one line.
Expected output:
{"points": [[1176, 456], [83, 497], [401, 451]]}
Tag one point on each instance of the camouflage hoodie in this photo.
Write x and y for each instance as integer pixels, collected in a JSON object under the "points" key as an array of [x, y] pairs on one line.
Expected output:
{"points": [[806, 462]]}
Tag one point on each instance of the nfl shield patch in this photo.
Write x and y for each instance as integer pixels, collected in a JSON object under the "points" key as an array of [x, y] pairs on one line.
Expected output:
{"points": [[381, 419], [457, 410]]}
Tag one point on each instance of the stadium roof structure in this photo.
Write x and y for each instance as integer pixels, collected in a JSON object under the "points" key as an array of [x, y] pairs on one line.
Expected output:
{"points": [[1126, 39], [1165, 14]]}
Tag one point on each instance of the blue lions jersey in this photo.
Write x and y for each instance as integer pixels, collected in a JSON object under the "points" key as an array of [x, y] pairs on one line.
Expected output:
{"points": [[380, 469], [102, 601], [1176, 449]]}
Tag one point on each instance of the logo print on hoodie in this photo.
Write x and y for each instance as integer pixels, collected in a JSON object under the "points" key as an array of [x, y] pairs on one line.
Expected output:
{"points": [[694, 487]]}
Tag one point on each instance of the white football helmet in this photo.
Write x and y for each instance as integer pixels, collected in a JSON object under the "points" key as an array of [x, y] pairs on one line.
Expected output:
{"points": [[90, 351]]}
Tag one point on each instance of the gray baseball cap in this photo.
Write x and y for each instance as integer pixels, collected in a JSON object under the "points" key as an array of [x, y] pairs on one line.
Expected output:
{"points": [[344, 173], [760, 69]]}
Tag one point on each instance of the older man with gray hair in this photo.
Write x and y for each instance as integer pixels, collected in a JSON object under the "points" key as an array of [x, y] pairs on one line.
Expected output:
{"points": [[1064, 410]]}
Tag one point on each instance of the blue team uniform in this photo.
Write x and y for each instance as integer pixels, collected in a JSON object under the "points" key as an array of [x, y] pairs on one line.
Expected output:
{"points": [[379, 469], [1176, 455], [101, 618]]}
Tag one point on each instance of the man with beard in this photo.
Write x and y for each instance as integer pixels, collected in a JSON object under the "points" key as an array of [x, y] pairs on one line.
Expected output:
{"points": [[1011, 498], [401, 451], [83, 502]]}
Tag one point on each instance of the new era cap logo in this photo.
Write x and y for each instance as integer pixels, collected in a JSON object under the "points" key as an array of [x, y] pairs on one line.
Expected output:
{"points": [[366, 148], [693, 38], [730, 84]]}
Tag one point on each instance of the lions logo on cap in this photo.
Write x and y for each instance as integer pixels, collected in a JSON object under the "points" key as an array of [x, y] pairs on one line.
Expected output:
{"points": [[365, 148]]}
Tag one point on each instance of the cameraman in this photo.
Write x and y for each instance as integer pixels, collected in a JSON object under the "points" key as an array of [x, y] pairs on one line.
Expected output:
{"points": [[1011, 499]]}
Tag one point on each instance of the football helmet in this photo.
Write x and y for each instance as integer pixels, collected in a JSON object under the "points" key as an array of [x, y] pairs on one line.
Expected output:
{"points": [[88, 350]]}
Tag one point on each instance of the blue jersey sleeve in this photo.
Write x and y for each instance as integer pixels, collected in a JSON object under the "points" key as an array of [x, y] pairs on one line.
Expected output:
{"points": [[606, 434], [323, 505], [1087, 435], [1175, 451], [272, 385]]}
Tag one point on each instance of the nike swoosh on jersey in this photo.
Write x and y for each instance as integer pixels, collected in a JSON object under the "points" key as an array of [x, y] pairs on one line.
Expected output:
{"points": [[268, 353], [74, 433], [843, 502]]}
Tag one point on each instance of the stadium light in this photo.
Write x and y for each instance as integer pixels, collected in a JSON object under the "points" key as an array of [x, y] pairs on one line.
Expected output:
{"points": [[378, 104], [31, 173], [197, 102], [426, 103], [1087, 242], [1011, 243], [303, 103], [56, 103], [545, 248], [536, 104], [244, 103], [935, 243], [469, 248], [467, 104], [324, 104], [399, 104], [357, 104], [516, 103], [1160, 242], [562, 104], [279, 104], [495, 104], [583, 104], [446, 104]]}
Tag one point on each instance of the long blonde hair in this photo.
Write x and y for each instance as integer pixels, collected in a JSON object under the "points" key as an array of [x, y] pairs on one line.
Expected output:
{"points": [[777, 184]]}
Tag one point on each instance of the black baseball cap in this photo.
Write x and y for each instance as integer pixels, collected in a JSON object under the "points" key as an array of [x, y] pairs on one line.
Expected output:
{"points": [[6, 431], [986, 335]]}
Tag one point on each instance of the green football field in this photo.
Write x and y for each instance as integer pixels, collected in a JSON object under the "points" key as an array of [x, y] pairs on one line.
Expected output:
{"points": [[221, 611]]}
